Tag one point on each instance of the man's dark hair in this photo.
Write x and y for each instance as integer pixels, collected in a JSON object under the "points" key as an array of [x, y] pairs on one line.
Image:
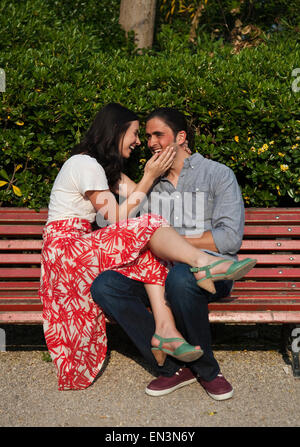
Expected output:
{"points": [[175, 120]]}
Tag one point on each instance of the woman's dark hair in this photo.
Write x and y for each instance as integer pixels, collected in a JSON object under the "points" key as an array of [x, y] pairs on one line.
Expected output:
{"points": [[103, 138], [175, 120]]}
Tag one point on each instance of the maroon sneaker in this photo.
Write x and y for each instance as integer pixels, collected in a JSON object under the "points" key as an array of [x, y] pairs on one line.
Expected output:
{"points": [[165, 385], [218, 388]]}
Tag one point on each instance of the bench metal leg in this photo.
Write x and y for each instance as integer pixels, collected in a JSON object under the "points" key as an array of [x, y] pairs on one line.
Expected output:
{"points": [[291, 347]]}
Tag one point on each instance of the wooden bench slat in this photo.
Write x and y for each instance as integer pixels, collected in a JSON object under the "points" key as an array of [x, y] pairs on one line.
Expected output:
{"points": [[272, 215], [30, 258], [282, 294], [266, 285], [26, 285], [256, 305], [13, 209], [29, 219], [276, 272], [20, 301], [272, 230], [19, 295], [21, 230], [236, 304], [20, 307], [278, 245], [243, 294], [262, 259], [290, 259], [269, 295], [13, 215], [250, 317], [18, 258], [238, 285], [16, 244], [20, 273], [28, 317]]}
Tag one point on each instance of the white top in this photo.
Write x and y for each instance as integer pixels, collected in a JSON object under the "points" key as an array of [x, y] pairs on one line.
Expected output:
{"points": [[79, 174]]}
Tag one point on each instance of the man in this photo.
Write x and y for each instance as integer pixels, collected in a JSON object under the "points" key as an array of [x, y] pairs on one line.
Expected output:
{"points": [[125, 300]]}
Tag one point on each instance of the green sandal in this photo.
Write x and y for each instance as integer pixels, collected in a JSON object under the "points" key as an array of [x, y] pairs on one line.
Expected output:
{"points": [[235, 271], [184, 352]]}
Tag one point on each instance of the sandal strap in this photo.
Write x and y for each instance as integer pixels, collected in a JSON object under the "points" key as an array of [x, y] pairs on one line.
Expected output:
{"points": [[167, 340], [180, 350], [207, 268]]}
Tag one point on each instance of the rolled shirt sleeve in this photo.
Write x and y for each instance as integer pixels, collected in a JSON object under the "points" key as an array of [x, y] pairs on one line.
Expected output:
{"points": [[228, 214]]}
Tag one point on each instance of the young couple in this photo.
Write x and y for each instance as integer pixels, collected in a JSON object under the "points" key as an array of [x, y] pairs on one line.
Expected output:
{"points": [[124, 260]]}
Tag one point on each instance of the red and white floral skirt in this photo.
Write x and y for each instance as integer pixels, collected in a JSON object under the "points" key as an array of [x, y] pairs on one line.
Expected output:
{"points": [[72, 257]]}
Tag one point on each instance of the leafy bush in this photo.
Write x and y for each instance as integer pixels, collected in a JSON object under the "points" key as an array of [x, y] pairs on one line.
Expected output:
{"points": [[219, 17], [62, 67]]}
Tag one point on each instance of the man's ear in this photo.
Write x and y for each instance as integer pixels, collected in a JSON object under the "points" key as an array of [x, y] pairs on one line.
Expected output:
{"points": [[181, 137]]}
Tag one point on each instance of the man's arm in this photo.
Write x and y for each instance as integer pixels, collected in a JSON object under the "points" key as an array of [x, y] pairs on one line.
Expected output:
{"points": [[204, 241], [227, 218]]}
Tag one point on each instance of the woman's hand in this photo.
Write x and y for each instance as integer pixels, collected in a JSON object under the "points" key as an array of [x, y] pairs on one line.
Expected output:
{"points": [[159, 163]]}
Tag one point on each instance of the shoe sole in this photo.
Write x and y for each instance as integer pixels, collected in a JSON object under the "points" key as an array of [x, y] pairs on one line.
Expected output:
{"points": [[169, 390], [185, 357], [244, 270], [189, 356], [221, 396], [238, 274]]}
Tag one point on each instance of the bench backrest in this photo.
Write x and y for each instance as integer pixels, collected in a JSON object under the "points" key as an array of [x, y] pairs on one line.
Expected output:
{"points": [[20, 250], [272, 235]]}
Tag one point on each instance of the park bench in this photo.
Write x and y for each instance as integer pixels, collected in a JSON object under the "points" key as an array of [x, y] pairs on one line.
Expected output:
{"points": [[269, 293]]}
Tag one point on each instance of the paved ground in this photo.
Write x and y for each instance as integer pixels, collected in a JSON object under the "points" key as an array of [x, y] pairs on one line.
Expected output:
{"points": [[266, 393]]}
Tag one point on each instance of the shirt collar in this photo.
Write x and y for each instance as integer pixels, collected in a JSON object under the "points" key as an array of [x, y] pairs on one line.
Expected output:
{"points": [[194, 160]]}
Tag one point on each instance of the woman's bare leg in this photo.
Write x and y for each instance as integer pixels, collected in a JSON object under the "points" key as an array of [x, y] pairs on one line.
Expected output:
{"points": [[167, 244], [163, 317]]}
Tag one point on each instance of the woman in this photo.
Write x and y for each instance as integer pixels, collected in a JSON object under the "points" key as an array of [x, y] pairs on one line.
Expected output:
{"points": [[73, 255]]}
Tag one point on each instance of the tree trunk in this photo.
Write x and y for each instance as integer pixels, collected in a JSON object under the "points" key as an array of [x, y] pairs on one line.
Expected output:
{"points": [[139, 16]]}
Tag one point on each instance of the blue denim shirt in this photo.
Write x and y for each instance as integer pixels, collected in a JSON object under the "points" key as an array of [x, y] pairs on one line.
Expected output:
{"points": [[215, 185]]}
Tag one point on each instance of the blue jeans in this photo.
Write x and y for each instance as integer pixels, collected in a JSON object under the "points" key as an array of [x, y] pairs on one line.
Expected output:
{"points": [[126, 301]]}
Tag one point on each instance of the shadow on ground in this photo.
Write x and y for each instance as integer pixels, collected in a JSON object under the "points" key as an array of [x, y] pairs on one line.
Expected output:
{"points": [[231, 337], [224, 337]]}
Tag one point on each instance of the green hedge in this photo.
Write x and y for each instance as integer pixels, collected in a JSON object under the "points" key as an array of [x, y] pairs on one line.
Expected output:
{"points": [[219, 17], [61, 67]]}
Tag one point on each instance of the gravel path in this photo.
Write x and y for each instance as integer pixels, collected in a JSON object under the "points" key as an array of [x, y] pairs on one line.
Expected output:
{"points": [[266, 393]]}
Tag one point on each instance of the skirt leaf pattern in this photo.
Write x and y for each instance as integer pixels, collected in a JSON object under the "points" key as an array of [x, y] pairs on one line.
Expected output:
{"points": [[72, 257]]}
